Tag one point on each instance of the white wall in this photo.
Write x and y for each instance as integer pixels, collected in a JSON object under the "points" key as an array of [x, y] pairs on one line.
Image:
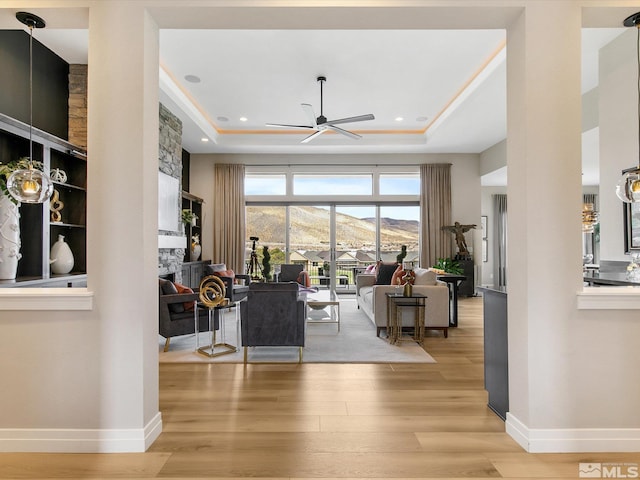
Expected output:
{"points": [[201, 184], [87, 381], [618, 136], [487, 268]]}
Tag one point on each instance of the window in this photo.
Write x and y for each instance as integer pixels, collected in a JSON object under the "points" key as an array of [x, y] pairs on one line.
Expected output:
{"points": [[347, 184], [265, 184], [399, 184]]}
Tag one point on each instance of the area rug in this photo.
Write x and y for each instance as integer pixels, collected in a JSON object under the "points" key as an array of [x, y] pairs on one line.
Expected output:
{"points": [[355, 343]]}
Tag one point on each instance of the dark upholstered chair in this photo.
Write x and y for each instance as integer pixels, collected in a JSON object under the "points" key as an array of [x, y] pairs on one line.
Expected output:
{"points": [[273, 315], [235, 291], [174, 319], [293, 272]]}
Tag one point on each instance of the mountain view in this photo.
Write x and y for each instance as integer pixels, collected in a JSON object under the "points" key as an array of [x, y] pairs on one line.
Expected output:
{"points": [[310, 229]]}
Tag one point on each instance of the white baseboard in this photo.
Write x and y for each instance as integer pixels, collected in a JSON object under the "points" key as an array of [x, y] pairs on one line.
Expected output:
{"points": [[572, 440], [56, 440]]}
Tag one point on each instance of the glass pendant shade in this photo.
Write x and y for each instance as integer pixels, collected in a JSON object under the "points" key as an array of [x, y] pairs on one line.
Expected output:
{"points": [[30, 186], [628, 188]]}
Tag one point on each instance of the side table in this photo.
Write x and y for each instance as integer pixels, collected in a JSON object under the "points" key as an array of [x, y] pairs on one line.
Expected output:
{"points": [[216, 348], [395, 303]]}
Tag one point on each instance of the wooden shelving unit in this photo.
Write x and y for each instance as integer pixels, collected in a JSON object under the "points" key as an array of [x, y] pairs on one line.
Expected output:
{"points": [[193, 203], [192, 272], [37, 231]]}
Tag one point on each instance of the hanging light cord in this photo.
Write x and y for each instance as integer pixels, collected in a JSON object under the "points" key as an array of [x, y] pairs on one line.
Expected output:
{"points": [[321, 102], [638, 55], [31, 25]]}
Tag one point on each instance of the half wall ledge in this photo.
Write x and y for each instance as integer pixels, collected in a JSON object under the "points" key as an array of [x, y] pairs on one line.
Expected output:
{"points": [[609, 298], [46, 299]]}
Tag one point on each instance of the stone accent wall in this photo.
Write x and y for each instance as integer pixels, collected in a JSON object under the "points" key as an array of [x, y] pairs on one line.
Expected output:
{"points": [[78, 105], [170, 162], [170, 143]]}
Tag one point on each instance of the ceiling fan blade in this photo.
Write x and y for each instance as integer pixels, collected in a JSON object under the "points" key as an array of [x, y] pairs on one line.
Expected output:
{"points": [[359, 118], [308, 109], [281, 125], [313, 135], [347, 133]]}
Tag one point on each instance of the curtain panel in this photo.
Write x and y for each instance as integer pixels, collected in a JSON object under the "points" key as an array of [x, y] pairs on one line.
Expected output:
{"points": [[435, 212], [500, 243], [229, 217]]}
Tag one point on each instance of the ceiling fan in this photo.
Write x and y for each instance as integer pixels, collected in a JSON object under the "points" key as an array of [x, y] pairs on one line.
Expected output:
{"points": [[321, 124]]}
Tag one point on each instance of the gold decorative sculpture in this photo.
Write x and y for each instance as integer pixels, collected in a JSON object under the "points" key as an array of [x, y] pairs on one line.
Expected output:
{"points": [[212, 291], [55, 206]]}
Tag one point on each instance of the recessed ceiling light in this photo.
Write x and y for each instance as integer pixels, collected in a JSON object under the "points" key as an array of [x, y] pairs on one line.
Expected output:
{"points": [[422, 119], [204, 139], [223, 119], [192, 78], [243, 119], [399, 119]]}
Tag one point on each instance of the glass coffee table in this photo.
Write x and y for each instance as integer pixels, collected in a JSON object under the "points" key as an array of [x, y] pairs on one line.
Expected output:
{"points": [[317, 304]]}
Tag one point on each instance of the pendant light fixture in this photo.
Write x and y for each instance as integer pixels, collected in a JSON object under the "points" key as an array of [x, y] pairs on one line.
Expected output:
{"points": [[30, 185], [589, 217]]}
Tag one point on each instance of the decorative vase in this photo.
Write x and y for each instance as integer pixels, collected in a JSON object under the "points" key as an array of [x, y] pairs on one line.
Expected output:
{"points": [[196, 249], [9, 238], [61, 257], [408, 280]]}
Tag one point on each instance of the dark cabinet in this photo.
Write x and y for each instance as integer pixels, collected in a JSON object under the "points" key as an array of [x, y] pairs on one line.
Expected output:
{"points": [[496, 355], [192, 273], [467, 288], [39, 226]]}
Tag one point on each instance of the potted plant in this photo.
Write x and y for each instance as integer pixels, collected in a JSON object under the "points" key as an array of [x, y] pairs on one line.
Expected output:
{"points": [[448, 265], [188, 217], [266, 263]]}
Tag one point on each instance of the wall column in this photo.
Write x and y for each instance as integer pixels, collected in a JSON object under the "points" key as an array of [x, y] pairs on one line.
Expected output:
{"points": [[544, 195], [123, 214]]}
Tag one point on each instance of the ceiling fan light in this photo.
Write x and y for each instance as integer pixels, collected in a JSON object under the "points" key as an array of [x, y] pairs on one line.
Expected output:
{"points": [[30, 186]]}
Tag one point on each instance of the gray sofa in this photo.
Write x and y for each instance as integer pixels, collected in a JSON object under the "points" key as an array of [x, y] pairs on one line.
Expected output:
{"points": [[372, 301]]}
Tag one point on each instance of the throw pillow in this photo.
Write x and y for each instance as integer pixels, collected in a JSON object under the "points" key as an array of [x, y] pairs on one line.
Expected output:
{"points": [[188, 306], [304, 279], [168, 288], [425, 276], [396, 279], [225, 273], [385, 273], [399, 274], [212, 268], [371, 269]]}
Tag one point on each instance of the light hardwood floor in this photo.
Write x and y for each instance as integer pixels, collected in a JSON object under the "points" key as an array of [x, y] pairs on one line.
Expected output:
{"points": [[326, 421]]}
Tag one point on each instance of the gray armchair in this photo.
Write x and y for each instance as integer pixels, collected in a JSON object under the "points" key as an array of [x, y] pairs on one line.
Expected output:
{"points": [[176, 317], [274, 315], [235, 291], [293, 272]]}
